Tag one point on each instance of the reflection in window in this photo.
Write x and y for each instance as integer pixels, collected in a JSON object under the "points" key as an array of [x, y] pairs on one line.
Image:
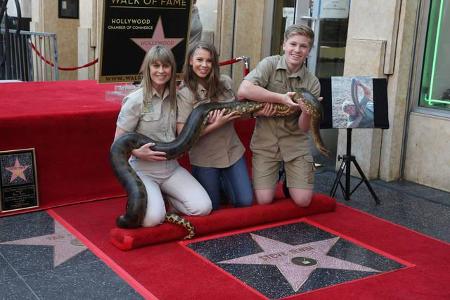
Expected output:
{"points": [[435, 91], [283, 16], [207, 10]]}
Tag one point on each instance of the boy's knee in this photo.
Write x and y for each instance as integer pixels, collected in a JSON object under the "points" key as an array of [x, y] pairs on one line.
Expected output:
{"points": [[302, 199], [264, 197]]}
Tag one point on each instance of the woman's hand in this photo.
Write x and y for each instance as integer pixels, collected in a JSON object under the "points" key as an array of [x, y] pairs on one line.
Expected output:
{"points": [[146, 153]]}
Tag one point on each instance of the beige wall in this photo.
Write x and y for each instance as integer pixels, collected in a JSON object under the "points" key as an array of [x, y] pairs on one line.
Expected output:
{"points": [[421, 140], [87, 38], [45, 19], [379, 45], [428, 151], [427, 146], [245, 37], [239, 34]]}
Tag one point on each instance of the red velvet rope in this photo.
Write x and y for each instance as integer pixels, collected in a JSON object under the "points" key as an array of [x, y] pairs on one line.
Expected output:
{"points": [[235, 60], [62, 68], [223, 63], [230, 61]]}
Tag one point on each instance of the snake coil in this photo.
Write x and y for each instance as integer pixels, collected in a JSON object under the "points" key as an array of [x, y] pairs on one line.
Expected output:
{"points": [[136, 192]]}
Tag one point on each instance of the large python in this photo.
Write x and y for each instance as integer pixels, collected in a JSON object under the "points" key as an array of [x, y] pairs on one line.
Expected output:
{"points": [[122, 147]]}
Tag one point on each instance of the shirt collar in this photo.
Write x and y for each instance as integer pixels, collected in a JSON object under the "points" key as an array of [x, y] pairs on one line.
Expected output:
{"points": [[201, 91], [283, 65], [164, 96]]}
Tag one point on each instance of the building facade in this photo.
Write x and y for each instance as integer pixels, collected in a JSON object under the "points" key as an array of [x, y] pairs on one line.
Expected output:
{"points": [[403, 41]]}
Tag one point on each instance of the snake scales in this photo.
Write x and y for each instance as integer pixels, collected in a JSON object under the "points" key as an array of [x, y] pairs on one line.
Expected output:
{"points": [[122, 147]]}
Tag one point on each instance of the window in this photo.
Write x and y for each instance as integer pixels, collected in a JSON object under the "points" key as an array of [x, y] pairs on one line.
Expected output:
{"points": [[283, 17], [435, 83]]}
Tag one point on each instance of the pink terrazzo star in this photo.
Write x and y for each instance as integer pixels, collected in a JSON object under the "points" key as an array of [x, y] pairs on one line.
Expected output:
{"points": [[296, 262], [65, 244]]}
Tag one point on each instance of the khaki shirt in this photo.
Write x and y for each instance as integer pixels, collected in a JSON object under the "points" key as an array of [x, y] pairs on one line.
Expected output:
{"points": [[153, 118], [280, 138], [220, 148]]}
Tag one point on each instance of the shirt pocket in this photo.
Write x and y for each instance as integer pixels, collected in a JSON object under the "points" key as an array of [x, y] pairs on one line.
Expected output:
{"points": [[151, 116], [277, 87], [149, 122]]}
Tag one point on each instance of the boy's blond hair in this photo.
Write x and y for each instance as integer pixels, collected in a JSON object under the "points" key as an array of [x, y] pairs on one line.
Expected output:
{"points": [[299, 29]]}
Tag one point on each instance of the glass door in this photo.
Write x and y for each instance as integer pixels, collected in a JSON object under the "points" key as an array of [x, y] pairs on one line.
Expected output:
{"points": [[329, 21], [283, 16]]}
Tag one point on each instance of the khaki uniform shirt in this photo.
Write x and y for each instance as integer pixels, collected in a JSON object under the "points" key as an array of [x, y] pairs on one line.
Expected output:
{"points": [[153, 118], [220, 148], [280, 138]]}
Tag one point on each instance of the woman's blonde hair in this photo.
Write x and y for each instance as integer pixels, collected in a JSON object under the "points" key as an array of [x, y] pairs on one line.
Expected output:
{"points": [[213, 86], [163, 55]]}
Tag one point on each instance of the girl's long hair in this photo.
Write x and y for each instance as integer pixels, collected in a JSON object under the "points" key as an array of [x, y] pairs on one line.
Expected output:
{"points": [[213, 86], [163, 55]]}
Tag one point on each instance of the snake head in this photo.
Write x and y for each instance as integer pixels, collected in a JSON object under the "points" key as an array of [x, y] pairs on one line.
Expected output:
{"points": [[313, 105]]}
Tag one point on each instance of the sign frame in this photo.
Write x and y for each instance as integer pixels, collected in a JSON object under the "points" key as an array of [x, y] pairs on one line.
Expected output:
{"points": [[130, 28], [18, 180]]}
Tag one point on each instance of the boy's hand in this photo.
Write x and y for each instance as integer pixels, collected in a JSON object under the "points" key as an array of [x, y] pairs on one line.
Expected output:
{"points": [[287, 99]]}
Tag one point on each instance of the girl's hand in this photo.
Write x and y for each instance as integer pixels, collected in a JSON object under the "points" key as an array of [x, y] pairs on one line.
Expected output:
{"points": [[146, 153], [219, 118], [267, 111]]}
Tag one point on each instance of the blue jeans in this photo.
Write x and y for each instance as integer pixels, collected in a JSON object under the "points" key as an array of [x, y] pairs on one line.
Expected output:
{"points": [[234, 181]]}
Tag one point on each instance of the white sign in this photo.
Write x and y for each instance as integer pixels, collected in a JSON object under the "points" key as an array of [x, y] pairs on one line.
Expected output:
{"points": [[334, 9]]}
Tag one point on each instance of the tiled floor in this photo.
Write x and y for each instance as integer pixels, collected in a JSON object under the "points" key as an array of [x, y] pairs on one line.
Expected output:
{"points": [[46, 262], [35, 269]]}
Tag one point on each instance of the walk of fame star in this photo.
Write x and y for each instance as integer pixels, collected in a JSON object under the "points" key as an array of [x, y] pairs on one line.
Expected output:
{"points": [[158, 38], [17, 171], [65, 244], [296, 262]]}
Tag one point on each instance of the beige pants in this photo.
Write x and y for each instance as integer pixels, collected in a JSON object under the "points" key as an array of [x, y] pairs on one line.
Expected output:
{"points": [[182, 191]]}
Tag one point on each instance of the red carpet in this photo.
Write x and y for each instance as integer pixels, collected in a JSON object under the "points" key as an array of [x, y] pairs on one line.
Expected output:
{"points": [[71, 126], [170, 271]]}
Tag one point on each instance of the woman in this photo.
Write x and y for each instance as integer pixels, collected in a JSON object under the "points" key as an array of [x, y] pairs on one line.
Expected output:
{"points": [[217, 157], [151, 110]]}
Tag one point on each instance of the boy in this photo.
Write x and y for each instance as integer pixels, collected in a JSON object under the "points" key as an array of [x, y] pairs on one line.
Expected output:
{"points": [[277, 140]]}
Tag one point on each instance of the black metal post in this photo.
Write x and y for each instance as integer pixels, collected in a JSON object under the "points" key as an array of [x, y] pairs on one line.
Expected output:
{"points": [[346, 159]]}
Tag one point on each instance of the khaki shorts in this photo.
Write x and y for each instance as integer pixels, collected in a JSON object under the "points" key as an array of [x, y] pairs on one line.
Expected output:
{"points": [[299, 172]]}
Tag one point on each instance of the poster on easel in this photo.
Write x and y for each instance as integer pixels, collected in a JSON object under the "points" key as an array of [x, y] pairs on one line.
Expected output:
{"points": [[18, 180], [354, 102], [131, 28]]}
